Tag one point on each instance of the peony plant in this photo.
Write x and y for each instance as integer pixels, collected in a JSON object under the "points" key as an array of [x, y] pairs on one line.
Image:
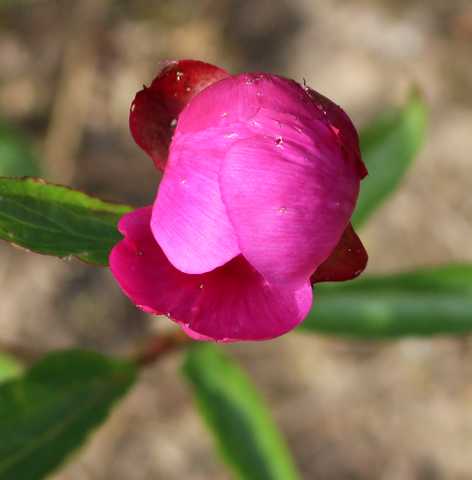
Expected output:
{"points": [[263, 185], [261, 176]]}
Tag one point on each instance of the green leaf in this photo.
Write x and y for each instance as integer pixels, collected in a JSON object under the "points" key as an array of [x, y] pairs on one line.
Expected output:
{"points": [[420, 303], [48, 412], [9, 367], [388, 147], [17, 156], [245, 434], [56, 220]]}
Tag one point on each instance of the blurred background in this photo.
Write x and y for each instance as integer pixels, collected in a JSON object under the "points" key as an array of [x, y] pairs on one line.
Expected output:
{"points": [[349, 410]]}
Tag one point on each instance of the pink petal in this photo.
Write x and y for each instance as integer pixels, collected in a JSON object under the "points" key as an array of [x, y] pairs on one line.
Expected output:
{"points": [[337, 119], [230, 303], [232, 101], [289, 201], [156, 108], [189, 219], [347, 260]]}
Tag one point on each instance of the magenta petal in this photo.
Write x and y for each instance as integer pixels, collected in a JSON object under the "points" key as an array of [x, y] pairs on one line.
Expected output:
{"points": [[155, 109], [230, 303], [339, 122], [289, 201], [189, 219], [346, 261]]}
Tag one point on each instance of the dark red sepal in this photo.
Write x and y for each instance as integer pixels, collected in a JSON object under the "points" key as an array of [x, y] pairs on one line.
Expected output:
{"points": [[155, 109], [347, 261]]}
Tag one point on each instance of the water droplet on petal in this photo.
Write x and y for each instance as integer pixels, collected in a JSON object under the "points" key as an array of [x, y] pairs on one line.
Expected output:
{"points": [[179, 76], [224, 114], [139, 253], [231, 135], [183, 181], [173, 122], [201, 286], [187, 89], [279, 141], [282, 210]]}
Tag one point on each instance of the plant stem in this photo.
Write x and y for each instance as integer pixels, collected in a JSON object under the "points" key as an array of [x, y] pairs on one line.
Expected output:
{"points": [[158, 346]]}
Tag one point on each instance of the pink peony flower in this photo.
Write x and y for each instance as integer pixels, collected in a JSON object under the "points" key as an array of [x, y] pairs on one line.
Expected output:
{"points": [[261, 176]]}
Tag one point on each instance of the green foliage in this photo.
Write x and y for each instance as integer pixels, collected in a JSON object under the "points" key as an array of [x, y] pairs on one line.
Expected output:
{"points": [[49, 411], [388, 147], [58, 221], [244, 432], [17, 157], [424, 302], [9, 367]]}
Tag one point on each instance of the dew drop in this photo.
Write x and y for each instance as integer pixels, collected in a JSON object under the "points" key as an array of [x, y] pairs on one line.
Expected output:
{"points": [[183, 181], [279, 141], [231, 135], [179, 76], [224, 114], [201, 286], [282, 210], [173, 122], [334, 130], [139, 253], [187, 89]]}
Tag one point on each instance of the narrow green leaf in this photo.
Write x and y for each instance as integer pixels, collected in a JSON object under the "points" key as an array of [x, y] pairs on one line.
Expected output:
{"points": [[9, 367], [388, 147], [56, 220], [17, 156], [245, 434], [48, 412], [420, 303]]}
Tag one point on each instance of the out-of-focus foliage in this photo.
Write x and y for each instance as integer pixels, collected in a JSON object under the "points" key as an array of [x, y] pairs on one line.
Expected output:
{"points": [[56, 220], [424, 302], [9, 367], [17, 156], [245, 434], [50, 410], [389, 145]]}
